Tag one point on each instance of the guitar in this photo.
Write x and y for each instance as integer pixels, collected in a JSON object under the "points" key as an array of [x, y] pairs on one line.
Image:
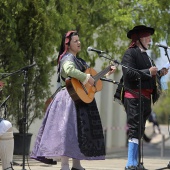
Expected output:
{"points": [[85, 93]]}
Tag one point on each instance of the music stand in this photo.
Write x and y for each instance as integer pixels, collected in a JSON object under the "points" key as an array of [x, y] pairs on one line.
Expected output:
{"points": [[24, 119]]}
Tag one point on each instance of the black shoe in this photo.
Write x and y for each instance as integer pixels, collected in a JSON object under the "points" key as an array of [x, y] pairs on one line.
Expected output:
{"points": [[141, 167], [131, 168], [75, 169]]}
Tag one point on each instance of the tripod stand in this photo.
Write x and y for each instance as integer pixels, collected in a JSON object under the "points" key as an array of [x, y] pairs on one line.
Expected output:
{"points": [[167, 167], [25, 115]]}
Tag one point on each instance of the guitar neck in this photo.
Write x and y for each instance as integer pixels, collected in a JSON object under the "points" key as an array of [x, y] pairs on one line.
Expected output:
{"points": [[102, 73]]}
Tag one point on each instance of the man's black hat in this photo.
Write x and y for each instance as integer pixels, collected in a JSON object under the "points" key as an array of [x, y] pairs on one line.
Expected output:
{"points": [[139, 29]]}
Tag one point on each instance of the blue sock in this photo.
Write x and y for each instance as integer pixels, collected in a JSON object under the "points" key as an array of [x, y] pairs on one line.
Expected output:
{"points": [[136, 155], [132, 147]]}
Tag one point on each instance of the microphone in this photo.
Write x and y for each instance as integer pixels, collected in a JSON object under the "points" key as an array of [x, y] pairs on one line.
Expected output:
{"points": [[163, 46], [4, 101], [93, 49]]}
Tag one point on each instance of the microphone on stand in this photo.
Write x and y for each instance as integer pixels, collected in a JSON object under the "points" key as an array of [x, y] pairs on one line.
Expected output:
{"points": [[163, 46], [95, 50], [4, 101], [116, 62]]}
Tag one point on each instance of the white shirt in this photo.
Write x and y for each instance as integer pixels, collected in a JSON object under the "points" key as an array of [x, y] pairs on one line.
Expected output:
{"points": [[4, 126]]}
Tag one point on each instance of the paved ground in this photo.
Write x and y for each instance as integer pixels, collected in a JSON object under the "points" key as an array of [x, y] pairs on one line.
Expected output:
{"points": [[154, 157], [108, 164]]}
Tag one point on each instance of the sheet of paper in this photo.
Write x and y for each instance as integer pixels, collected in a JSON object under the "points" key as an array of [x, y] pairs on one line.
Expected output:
{"points": [[167, 66]]}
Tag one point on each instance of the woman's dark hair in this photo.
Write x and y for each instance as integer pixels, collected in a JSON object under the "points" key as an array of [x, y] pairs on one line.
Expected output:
{"points": [[65, 42]]}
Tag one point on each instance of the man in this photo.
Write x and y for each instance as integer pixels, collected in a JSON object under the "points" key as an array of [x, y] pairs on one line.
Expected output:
{"points": [[137, 58]]}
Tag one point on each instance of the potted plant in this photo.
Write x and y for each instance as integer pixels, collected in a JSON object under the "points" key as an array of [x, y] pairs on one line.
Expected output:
{"points": [[22, 140]]}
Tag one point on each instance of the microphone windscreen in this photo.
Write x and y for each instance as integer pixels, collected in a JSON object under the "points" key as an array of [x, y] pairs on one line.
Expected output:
{"points": [[89, 48]]}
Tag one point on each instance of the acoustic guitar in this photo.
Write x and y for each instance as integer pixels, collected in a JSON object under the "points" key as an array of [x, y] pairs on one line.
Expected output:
{"points": [[85, 93]]}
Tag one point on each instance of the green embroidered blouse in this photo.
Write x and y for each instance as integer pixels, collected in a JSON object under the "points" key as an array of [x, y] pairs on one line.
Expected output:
{"points": [[69, 70]]}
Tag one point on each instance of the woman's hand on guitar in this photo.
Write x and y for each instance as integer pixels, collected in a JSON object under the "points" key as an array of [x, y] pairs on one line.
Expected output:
{"points": [[91, 81], [112, 70]]}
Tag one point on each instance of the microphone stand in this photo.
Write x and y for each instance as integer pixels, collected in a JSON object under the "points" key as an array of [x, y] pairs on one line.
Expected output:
{"points": [[140, 156], [140, 164], [5, 106], [5, 75], [166, 53], [114, 82], [25, 116]]}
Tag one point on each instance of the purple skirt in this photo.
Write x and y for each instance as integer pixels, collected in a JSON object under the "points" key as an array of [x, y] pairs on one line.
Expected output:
{"points": [[58, 134]]}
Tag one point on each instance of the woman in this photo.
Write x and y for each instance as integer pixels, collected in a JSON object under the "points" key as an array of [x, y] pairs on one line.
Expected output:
{"points": [[70, 130]]}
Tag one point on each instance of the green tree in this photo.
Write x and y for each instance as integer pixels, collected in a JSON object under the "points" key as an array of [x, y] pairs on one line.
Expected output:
{"points": [[104, 23], [28, 35], [31, 32], [162, 107]]}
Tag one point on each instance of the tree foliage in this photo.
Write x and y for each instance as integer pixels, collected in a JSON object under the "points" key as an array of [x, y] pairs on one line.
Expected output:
{"points": [[27, 36], [31, 32], [162, 107]]}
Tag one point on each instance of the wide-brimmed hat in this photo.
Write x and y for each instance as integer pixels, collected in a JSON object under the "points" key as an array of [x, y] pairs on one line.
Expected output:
{"points": [[139, 29]]}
